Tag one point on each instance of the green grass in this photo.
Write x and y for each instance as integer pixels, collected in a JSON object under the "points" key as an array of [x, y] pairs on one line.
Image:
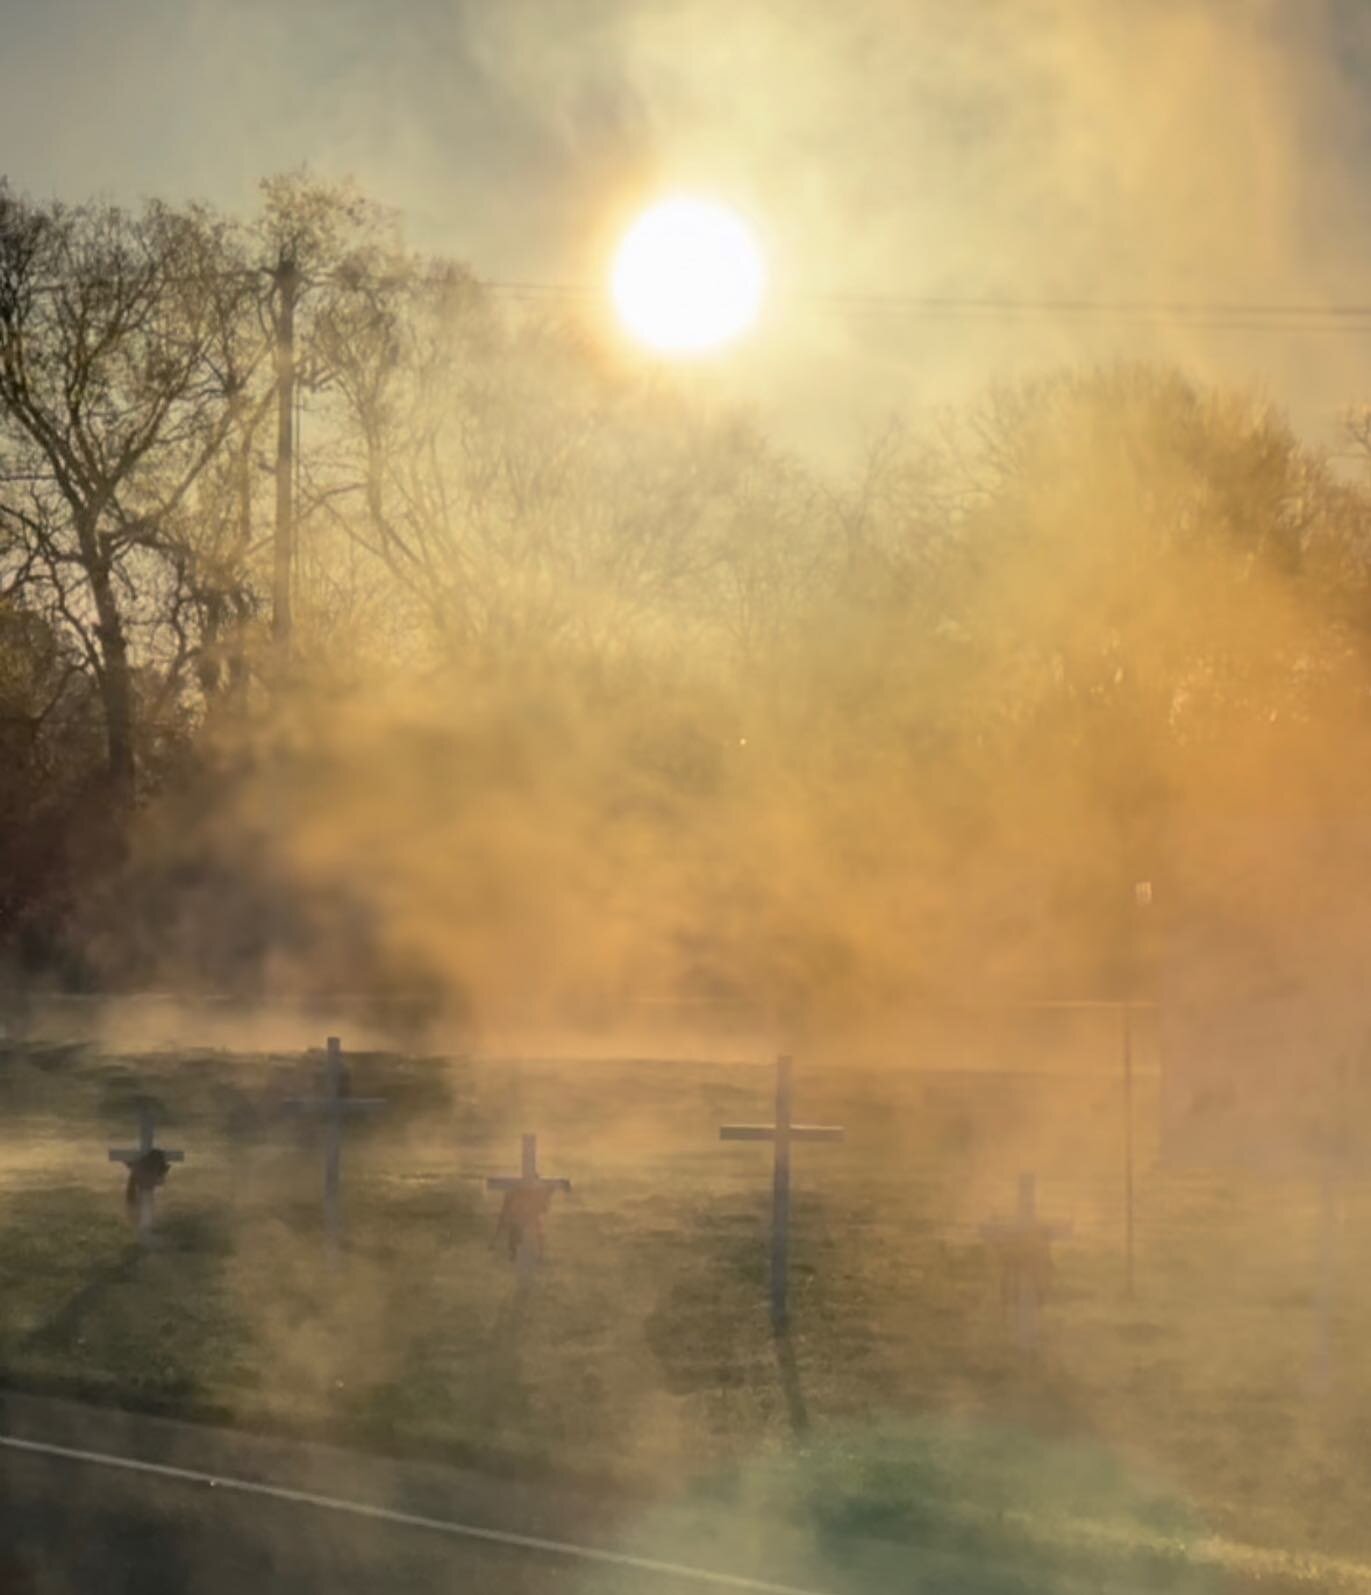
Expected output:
{"points": [[1165, 1431]]}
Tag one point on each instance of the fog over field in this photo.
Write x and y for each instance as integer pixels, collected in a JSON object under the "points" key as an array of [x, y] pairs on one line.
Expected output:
{"points": [[912, 617]]}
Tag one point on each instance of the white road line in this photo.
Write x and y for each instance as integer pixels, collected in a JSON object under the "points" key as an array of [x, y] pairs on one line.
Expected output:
{"points": [[385, 1514]]}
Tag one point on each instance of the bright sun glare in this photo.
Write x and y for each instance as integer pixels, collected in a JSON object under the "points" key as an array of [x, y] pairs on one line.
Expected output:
{"points": [[687, 277]]}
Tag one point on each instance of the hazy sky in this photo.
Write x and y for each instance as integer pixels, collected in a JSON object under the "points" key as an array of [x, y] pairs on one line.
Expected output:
{"points": [[1116, 148]]}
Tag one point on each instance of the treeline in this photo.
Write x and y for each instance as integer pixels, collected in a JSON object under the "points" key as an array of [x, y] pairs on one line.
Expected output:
{"points": [[572, 689]]}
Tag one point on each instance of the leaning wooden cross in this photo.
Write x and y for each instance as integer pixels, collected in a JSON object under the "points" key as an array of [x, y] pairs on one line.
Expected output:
{"points": [[782, 1133], [147, 1164], [528, 1195], [335, 1105], [1024, 1248]]}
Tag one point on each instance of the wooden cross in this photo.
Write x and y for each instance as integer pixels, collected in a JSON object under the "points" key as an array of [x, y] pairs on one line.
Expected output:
{"points": [[335, 1105], [528, 1179], [782, 1133], [133, 1156], [1024, 1245]]}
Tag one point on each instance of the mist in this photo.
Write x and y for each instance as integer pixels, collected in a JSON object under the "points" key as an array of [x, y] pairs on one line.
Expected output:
{"points": [[958, 685], [1178, 152]]}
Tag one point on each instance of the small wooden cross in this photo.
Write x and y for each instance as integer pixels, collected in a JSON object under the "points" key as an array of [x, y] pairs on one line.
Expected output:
{"points": [[335, 1105], [783, 1132], [1024, 1245], [137, 1160], [528, 1179]]}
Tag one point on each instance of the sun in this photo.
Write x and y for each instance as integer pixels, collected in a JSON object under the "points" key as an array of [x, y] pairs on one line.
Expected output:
{"points": [[688, 277]]}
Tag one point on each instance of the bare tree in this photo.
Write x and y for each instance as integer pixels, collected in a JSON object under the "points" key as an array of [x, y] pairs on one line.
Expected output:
{"points": [[125, 361], [523, 495]]}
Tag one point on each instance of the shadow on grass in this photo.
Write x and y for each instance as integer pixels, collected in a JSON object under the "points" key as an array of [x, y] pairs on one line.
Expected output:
{"points": [[89, 1308], [504, 1395], [704, 1329], [459, 1382], [797, 1410], [60, 1331]]}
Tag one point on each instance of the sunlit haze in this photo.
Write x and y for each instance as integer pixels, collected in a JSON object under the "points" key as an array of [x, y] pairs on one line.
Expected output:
{"points": [[688, 277], [685, 796]]}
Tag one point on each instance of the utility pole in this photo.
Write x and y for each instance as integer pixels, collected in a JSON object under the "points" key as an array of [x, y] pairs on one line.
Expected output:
{"points": [[1130, 1273], [286, 278], [1142, 900]]}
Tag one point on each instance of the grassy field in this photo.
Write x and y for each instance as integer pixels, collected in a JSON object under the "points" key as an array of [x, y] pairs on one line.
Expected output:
{"points": [[1174, 1429]]}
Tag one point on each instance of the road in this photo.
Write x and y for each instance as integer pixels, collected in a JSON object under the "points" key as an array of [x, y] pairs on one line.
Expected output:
{"points": [[134, 1505], [69, 1527], [95, 1500]]}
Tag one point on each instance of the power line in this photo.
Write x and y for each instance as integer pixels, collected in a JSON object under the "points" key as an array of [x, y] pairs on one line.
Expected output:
{"points": [[1081, 306], [1220, 315], [1223, 315]]}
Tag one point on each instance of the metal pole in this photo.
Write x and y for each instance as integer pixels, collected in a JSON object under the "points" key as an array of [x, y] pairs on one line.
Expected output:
{"points": [[333, 1144], [1128, 1239], [1323, 1355], [1026, 1304], [780, 1199]]}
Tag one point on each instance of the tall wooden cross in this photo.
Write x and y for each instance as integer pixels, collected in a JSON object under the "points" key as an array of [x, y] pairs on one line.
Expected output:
{"points": [[783, 1132], [140, 1162], [527, 1179], [1024, 1244], [336, 1103]]}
